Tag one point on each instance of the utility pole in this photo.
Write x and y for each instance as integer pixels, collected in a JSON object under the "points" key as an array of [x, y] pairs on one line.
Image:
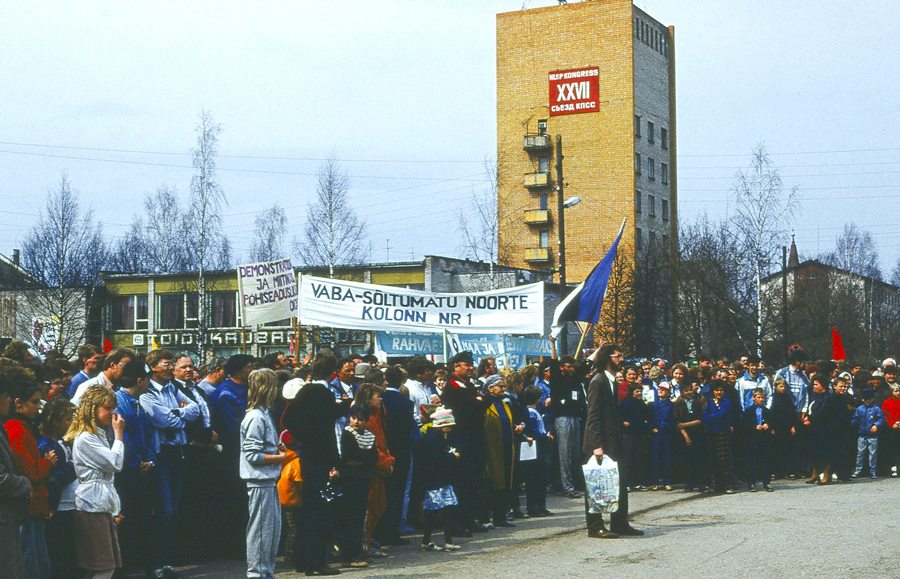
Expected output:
{"points": [[561, 241]]}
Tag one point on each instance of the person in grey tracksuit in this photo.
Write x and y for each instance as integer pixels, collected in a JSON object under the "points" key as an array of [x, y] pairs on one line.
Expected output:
{"points": [[260, 466]]}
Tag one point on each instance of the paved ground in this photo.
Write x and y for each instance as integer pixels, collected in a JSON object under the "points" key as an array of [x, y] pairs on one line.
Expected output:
{"points": [[799, 530]]}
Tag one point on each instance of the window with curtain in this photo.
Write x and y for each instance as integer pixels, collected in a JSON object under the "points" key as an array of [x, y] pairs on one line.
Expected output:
{"points": [[171, 311], [121, 313], [223, 312]]}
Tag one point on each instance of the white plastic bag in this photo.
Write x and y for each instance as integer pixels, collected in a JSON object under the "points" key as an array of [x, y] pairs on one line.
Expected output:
{"points": [[601, 481]]}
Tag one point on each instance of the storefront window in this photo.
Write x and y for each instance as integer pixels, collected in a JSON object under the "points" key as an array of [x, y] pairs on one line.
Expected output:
{"points": [[224, 310], [171, 311]]}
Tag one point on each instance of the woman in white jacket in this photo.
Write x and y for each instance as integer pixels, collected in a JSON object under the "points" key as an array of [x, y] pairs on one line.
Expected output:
{"points": [[97, 503]]}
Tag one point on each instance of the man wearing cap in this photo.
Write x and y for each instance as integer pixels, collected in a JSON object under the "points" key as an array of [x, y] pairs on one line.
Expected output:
{"points": [[567, 403], [468, 406], [603, 437]]}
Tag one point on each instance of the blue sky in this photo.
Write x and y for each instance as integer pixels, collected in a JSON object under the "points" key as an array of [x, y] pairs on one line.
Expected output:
{"points": [[403, 92]]}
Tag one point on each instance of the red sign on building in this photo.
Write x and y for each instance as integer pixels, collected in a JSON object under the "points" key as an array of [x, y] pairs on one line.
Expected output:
{"points": [[574, 91]]}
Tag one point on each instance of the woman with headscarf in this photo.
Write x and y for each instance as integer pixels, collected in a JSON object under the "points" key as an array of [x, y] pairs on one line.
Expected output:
{"points": [[499, 441]]}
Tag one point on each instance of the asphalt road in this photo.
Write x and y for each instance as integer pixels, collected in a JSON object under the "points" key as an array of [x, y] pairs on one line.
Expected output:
{"points": [[841, 530]]}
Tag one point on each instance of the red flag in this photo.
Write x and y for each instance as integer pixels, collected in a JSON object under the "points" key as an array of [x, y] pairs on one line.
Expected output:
{"points": [[837, 346], [107, 346]]}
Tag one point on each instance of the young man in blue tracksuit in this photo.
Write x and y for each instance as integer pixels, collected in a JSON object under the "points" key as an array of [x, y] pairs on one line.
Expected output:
{"points": [[868, 420], [662, 434]]}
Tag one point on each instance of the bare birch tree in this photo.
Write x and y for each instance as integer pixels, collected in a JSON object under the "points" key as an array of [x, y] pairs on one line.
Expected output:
{"points": [[333, 234], [203, 219], [765, 212], [855, 252], [129, 255], [64, 253], [268, 236]]}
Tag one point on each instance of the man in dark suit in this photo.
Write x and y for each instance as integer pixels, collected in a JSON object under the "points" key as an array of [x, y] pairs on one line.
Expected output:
{"points": [[603, 437], [398, 430]]}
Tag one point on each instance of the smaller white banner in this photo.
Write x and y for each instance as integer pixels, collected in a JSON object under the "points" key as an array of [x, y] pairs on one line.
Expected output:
{"points": [[359, 306], [268, 291]]}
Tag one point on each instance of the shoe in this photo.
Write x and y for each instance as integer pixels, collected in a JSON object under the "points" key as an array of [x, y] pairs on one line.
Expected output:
{"points": [[602, 534], [572, 495], [628, 531], [170, 573], [729, 491], [751, 488], [156, 574], [654, 488], [376, 554], [855, 475], [324, 571], [449, 547], [504, 524], [811, 481], [768, 488], [429, 547], [359, 564], [517, 514], [639, 487], [488, 526], [702, 489], [668, 488], [874, 477]]}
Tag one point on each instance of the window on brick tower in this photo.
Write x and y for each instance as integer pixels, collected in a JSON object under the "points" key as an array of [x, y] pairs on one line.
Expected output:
{"points": [[543, 164], [652, 238], [637, 201], [651, 132], [638, 239], [665, 173], [663, 138], [545, 238], [542, 127], [665, 209], [637, 163], [651, 200], [542, 199], [651, 169], [637, 126]]}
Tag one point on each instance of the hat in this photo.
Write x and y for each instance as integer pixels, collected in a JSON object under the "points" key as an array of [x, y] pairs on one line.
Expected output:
{"points": [[846, 376], [291, 387], [361, 369], [664, 386], [442, 417], [463, 357], [868, 394], [491, 380], [889, 362]]}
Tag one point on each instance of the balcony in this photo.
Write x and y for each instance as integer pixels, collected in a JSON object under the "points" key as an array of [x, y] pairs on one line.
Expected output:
{"points": [[534, 143], [537, 254], [537, 216], [537, 180]]}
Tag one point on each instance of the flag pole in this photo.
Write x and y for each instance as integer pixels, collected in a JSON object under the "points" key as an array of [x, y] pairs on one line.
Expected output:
{"points": [[581, 341], [445, 345]]}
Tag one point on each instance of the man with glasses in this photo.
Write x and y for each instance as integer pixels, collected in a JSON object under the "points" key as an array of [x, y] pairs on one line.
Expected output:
{"points": [[169, 411], [603, 437]]}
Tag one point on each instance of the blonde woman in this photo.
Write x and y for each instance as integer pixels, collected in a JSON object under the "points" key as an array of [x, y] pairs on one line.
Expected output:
{"points": [[260, 467], [97, 503]]}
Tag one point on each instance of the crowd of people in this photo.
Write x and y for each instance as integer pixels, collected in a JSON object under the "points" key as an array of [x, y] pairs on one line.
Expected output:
{"points": [[123, 463]]}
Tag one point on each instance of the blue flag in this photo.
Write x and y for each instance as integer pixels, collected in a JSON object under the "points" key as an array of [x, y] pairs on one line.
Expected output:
{"points": [[586, 300]]}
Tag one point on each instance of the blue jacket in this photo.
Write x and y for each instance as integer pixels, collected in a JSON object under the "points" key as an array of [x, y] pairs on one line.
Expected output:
{"points": [[228, 405], [865, 418], [140, 438], [662, 415], [636, 414], [534, 425], [718, 418]]}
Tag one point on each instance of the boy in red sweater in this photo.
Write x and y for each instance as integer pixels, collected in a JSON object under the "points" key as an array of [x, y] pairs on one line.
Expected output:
{"points": [[891, 409]]}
